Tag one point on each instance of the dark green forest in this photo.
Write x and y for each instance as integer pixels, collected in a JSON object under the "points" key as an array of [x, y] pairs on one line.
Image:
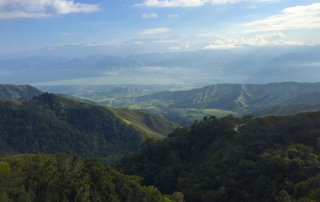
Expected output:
{"points": [[52, 124], [61, 178], [230, 159]]}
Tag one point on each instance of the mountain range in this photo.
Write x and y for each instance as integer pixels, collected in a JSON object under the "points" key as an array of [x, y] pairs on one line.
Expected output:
{"points": [[193, 68], [240, 98]]}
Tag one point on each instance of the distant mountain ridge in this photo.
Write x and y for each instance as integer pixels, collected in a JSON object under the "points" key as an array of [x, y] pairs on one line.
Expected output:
{"points": [[308, 98], [235, 97], [16, 92], [264, 65], [286, 109]]}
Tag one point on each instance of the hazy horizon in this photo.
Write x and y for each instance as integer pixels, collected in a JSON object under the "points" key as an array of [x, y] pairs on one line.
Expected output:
{"points": [[159, 42]]}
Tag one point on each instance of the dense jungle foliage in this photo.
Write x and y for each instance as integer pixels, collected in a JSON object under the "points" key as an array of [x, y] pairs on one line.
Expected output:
{"points": [[61, 178], [269, 159]]}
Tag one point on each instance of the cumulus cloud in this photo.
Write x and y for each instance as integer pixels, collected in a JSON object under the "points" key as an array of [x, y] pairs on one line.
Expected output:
{"points": [[151, 15], [154, 31], [298, 17], [235, 42], [189, 3], [173, 16], [10, 9]]}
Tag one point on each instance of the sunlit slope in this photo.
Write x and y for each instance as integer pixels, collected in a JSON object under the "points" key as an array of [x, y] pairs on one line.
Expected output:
{"points": [[148, 124], [53, 124], [16, 92], [235, 97]]}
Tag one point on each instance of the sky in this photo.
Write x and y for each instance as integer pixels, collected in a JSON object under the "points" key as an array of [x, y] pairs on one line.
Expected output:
{"points": [[172, 25]]}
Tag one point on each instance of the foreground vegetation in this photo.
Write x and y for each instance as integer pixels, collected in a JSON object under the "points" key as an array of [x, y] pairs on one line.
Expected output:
{"points": [[38, 178], [229, 159]]}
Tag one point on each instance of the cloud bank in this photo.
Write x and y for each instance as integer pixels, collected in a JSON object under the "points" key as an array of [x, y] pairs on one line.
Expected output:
{"points": [[259, 40], [154, 31], [298, 17], [10, 9]]}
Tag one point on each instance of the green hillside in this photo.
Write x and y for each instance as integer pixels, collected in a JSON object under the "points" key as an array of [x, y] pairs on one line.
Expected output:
{"points": [[286, 109], [241, 98], [148, 124], [308, 98], [267, 159], [16, 92], [61, 178], [53, 124]]}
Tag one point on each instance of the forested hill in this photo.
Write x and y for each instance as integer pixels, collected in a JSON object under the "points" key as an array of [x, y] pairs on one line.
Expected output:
{"points": [[16, 92], [61, 178], [268, 159], [52, 124], [237, 97]]}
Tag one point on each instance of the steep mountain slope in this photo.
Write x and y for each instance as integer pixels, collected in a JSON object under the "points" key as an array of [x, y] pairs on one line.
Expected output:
{"points": [[235, 97], [16, 92], [52, 124], [308, 98], [266, 159], [286, 109], [148, 124]]}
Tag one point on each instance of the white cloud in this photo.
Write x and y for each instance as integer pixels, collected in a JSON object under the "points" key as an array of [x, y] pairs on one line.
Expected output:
{"points": [[235, 42], [298, 17], [171, 3], [154, 31], [273, 34], [42, 8], [103, 44], [138, 42], [173, 16], [186, 46], [151, 15], [175, 48], [189, 3]]}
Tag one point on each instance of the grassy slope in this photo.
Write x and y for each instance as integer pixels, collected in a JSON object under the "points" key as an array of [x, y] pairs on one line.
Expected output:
{"points": [[149, 125]]}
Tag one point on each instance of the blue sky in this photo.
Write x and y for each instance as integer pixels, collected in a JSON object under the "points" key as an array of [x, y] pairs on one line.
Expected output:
{"points": [[173, 25]]}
